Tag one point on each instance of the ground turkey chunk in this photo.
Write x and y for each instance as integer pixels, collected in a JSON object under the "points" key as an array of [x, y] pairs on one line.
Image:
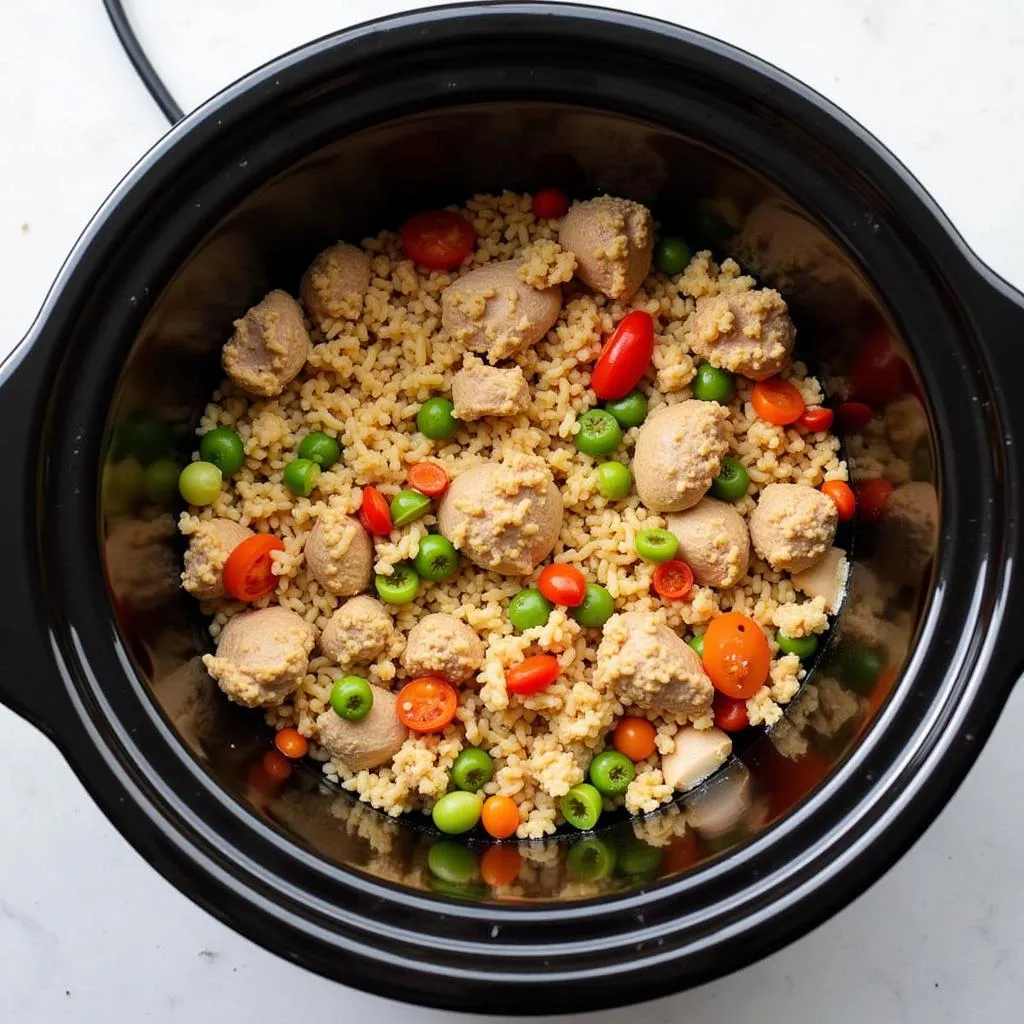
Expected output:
{"points": [[442, 645], [261, 656], [745, 332], [479, 391], [359, 631], [494, 311], [713, 541], [650, 666], [678, 453], [612, 240], [339, 553], [269, 347], [908, 531], [209, 545], [792, 527], [503, 516], [368, 743], [335, 283]]}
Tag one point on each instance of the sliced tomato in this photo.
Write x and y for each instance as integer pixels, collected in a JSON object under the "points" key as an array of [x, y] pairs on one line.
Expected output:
{"points": [[878, 372], [428, 478], [437, 239], [248, 571], [817, 419], [550, 204], [730, 713], [854, 416], [736, 655], [777, 401], [375, 512], [625, 356], [427, 704], [673, 580], [532, 675], [842, 495], [562, 584]]}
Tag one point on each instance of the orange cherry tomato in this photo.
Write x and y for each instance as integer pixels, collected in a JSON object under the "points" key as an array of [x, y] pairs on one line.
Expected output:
{"points": [[437, 239], [500, 864], [872, 496], [550, 203], [291, 743], [634, 737], [276, 766], [877, 373], [817, 419], [532, 675], [854, 416], [375, 513], [730, 713], [562, 584], [427, 704], [776, 401], [736, 655], [672, 580], [625, 356], [428, 478], [500, 816], [842, 495], [248, 573]]}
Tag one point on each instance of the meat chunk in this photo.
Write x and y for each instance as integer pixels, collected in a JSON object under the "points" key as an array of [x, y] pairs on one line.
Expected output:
{"points": [[793, 526], [335, 283], [678, 453], [368, 743], [142, 565], [697, 754], [723, 803], [612, 240], [269, 347], [479, 391], [442, 645], [261, 656], [745, 332], [650, 666], [209, 545], [908, 532], [494, 311], [826, 579], [503, 516], [339, 553], [713, 541], [359, 631]]}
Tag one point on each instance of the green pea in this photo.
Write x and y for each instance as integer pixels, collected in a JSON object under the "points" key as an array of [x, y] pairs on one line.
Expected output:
{"points": [[611, 773], [581, 806], [732, 481], [436, 557], [300, 477], [435, 419], [400, 587], [528, 609], [145, 437], [630, 411], [320, 448], [352, 698], [199, 483], [590, 859], [656, 545], [639, 858], [713, 385], [456, 812], [472, 769], [599, 433], [671, 255], [597, 608], [224, 448], [697, 643], [408, 506], [802, 646], [160, 480], [860, 668], [614, 480], [451, 862]]}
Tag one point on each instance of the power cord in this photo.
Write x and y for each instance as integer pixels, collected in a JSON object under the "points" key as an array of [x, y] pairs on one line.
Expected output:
{"points": [[133, 48]]}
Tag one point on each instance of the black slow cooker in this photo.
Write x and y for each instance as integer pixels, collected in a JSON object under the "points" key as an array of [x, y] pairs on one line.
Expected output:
{"points": [[351, 133]]}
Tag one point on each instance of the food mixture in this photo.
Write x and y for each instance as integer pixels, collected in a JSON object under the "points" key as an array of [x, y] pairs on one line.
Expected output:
{"points": [[516, 516]]}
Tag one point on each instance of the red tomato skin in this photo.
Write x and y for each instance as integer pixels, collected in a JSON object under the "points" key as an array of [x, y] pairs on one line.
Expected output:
{"points": [[673, 580], [247, 571], [532, 675], [872, 496], [561, 584], [817, 419], [550, 204], [877, 373], [842, 496], [437, 239], [730, 713], [374, 512], [855, 416], [625, 357]]}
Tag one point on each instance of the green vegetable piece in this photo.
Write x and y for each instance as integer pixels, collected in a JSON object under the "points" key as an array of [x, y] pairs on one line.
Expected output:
{"points": [[671, 255], [630, 411], [145, 437], [457, 812], [697, 643], [860, 668], [803, 646], [160, 480], [599, 433], [528, 609], [590, 859], [199, 483], [472, 769], [224, 448], [656, 545], [400, 587], [732, 482], [352, 698], [408, 506], [713, 385], [320, 448], [597, 608], [451, 862], [611, 773], [436, 559], [639, 858], [614, 480], [435, 419], [581, 806], [300, 477]]}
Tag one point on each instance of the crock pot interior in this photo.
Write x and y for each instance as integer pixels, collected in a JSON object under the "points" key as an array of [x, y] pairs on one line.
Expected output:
{"points": [[370, 180]]}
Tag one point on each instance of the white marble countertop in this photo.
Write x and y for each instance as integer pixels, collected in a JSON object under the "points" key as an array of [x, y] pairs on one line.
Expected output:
{"points": [[89, 932]]}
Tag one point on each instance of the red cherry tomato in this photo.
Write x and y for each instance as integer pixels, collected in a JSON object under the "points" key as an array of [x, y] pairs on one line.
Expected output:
{"points": [[842, 495], [427, 704], [817, 419], [437, 239], [562, 584], [428, 478], [625, 356], [777, 401], [532, 675], [872, 496], [248, 575], [730, 713], [854, 416], [375, 513], [550, 204], [672, 580], [877, 373]]}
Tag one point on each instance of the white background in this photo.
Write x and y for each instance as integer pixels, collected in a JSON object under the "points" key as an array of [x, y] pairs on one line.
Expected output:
{"points": [[89, 932]]}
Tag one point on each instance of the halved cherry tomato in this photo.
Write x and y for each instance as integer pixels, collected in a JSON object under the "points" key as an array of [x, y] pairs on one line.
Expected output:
{"points": [[276, 766], [499, 816], [877, 373], [437, 239], [634, 737], [730, 713], [428, 478], [817, 419], [736, 655], [625, 356], [500, 864], [842, 495], [683, 852], [248, 575], [854, 416], [532, 675], [672, 580], [427, 704], [375, 513], [291, 743], [562, 584], [872, 496], [776, 401], [550, 203]]}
